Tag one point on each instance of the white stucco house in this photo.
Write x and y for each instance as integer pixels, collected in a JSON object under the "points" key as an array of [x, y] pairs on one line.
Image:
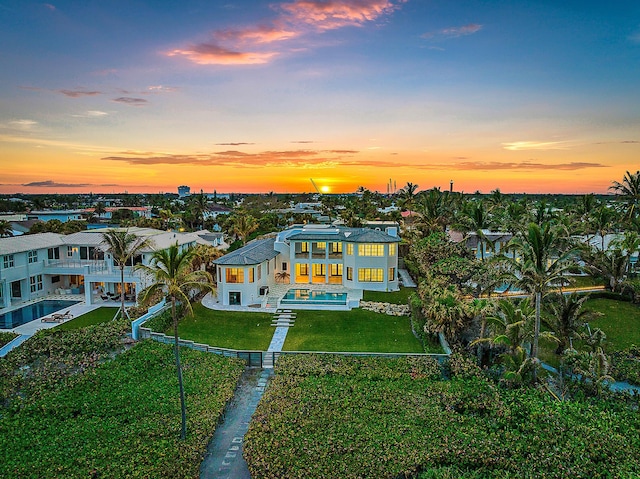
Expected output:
{"points": [[356, 259], [35, 266]]}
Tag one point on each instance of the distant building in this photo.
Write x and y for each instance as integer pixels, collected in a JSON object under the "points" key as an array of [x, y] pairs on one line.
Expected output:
{"points": [[183, 191], [61, 215]]}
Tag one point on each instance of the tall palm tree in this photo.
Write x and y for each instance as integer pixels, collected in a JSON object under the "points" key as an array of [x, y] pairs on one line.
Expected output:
{"points": [[568, 318], [407, 196], [243, 225], [629, 190], [123, 246], [99, 209], [171, 273], [539, 262]]}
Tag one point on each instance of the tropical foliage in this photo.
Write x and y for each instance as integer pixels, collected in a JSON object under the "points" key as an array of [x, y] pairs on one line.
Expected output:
{"points": [[117, 419], [327, 417]]}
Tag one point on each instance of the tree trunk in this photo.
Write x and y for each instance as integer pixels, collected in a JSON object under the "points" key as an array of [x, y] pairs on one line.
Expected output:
{"points": [[122, 291], [183, 406], [536, 332]]}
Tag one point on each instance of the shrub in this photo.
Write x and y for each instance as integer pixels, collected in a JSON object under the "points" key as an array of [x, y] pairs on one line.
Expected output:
{"points": [[7, 337], [626, 365], [328, 417]]}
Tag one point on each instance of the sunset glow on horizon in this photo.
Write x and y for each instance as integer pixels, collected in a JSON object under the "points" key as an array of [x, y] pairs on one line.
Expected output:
{"points": [[254, 96]]}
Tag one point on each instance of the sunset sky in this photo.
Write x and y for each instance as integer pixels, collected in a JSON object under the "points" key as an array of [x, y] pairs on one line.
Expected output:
{"points": [[253, 96]]}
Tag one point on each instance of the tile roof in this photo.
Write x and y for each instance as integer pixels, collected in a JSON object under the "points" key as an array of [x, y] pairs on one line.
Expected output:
{"points": [[350, 235], [255, 252]]}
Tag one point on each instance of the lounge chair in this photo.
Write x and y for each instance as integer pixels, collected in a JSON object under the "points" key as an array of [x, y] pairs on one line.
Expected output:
{"points": [[61, 316], [50, 319]]}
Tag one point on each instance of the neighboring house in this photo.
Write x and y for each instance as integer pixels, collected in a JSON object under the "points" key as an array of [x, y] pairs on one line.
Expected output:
{"points": [[62, 215], [34, 266], [355, 258], [213, 239], [488, 244], [138, 211]]}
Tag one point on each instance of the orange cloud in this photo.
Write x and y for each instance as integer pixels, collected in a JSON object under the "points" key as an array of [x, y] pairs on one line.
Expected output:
{"points": [[243, 46], [329, 15], [258, 34], [211, 54]]}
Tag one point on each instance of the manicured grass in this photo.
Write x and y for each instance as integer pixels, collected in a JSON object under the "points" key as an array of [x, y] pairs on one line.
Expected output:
{"points": [[620, 322], [97, 316], [584, 281], [121, 420], [355, 330], [227, 329], [395, 297]]}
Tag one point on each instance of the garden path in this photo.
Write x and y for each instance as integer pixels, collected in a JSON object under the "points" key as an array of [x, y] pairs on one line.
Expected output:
{"points": [[223, 459]]}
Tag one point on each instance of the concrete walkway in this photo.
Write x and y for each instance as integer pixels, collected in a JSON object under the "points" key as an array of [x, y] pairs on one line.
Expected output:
{"points": [[223, 459], [407, 281]]}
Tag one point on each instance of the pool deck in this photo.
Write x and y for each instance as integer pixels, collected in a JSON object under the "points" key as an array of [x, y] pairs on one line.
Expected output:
{"points": [[276, 293], [27, 330]]}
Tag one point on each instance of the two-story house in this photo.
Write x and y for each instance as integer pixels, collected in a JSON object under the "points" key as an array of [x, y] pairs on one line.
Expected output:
{"points": [[354, 258]]}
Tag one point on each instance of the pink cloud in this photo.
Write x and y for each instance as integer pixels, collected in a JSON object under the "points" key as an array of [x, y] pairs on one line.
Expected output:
{"points": [[329, 15], [244, 46], [212, 54]]}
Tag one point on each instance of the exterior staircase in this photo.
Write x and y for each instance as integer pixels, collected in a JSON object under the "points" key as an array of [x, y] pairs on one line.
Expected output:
{"points": [[283, 318], [272, 301]]}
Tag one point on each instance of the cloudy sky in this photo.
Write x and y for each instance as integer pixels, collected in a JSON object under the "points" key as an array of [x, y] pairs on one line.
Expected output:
{"points": [[253, 96]]}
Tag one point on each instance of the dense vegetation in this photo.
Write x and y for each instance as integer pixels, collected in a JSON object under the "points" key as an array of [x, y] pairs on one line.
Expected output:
{"points": [[6, 337], [76, 404], [327, 417]]}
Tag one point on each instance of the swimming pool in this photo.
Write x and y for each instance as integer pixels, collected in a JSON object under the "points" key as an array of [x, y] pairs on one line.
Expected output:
{"points": [[33, 311], [307, 296]]}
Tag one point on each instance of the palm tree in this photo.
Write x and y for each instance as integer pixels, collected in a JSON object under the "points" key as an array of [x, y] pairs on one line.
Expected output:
{"points": [[629, 190], [611, 265], [602, 220], [99, 209], [243, 225], [447, 312], [172, 274], [123, 246], [538, 263], [205, 255], [513, 326], [477, 219], [407, 196], [568, 319], [5, 229]]}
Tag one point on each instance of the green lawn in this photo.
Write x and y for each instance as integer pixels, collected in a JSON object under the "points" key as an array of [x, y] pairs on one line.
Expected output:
{"points": [[584, 281], [355, 330], [227, 329], [395, 297], [97, 316], [620, 321]]}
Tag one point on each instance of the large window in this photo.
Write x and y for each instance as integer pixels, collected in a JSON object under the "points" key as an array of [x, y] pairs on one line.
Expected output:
{"points": [[335, 269], [349, 273], [35, 283], [302, 269], [336, 248], [369, 249], [32, 256], [251, 275], [350, 249], [234, 275], [8, 261], [319, 269], [392, 274], [392, 249], [370, 275], [54, 253], [304, 247]]}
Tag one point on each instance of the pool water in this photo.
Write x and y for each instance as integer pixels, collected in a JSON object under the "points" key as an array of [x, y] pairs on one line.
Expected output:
{"points": [[31, 312], [306, 296]]}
